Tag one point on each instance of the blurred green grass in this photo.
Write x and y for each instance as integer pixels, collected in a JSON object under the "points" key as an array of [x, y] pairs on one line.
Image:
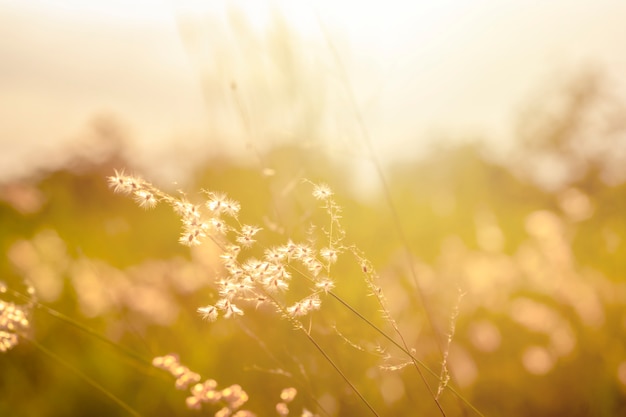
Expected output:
{"points": [[122, 274]]}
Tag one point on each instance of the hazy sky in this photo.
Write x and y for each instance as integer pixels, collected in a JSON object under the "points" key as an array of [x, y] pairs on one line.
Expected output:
{"points": [[433, 68]]}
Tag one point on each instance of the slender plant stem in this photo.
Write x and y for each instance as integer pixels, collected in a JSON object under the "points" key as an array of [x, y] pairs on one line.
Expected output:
{"points": [[305, 382], [298, 325], [84, 377], [383, 180], [58, 315], [339, 371], [404, 350], [386, 190]]}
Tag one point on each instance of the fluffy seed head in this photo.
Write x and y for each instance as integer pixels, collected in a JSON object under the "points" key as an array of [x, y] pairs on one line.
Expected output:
{"points": [[322, 192], [145, 199], [208, 313]]}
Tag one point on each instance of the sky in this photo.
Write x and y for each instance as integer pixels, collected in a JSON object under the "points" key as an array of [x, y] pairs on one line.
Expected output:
{"points": [[419, 71]]}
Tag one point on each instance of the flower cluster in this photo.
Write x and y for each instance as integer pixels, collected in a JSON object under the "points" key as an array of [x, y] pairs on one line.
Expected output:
{"points": [[141, 191], [232, 398], [184, 376], [258, 281], [264, 279], [13, 322]]}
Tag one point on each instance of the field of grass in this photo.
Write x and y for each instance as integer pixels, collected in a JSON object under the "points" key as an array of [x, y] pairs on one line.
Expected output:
{"points": [[281, 283], [462, 284]]}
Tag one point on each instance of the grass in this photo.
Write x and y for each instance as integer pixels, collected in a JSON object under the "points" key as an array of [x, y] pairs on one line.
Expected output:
{"points": [[461, 288], [266, 282], [308, 310]]}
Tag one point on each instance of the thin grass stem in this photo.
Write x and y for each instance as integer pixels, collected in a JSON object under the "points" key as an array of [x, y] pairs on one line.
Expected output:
{"points": [[60, 316], [85, 378], [381, 175], [406, 351], [339, 371], [298, 325]]}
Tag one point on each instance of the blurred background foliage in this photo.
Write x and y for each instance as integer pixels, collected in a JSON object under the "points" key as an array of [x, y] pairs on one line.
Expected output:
{"points": [[532, 239]]}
